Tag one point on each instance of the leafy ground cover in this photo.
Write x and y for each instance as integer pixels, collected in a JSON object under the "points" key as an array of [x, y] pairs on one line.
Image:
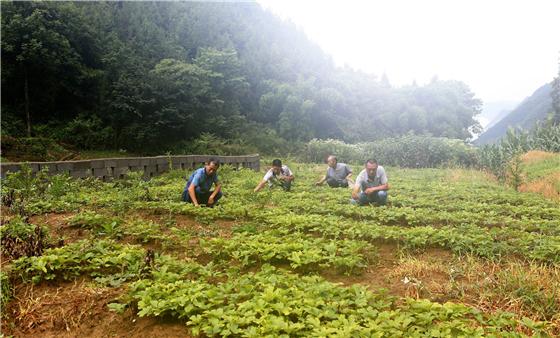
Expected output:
{"points": [[452, 254]]}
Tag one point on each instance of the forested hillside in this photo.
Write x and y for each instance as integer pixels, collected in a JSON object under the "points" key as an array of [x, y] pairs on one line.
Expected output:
{"points": [[151, 76], [534, 108]]}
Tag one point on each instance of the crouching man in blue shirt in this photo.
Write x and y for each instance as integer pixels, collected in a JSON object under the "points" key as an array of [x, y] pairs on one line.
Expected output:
{"points": [[197, 190]]}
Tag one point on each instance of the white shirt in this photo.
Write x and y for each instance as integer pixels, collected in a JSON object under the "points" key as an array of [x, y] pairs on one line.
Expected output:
{"points": [[285, 171], [363, 179]]}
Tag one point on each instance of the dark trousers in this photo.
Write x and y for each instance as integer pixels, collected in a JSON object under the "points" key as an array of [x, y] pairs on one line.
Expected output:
{"points": [[201, 197], [335, 183], [286, 185]]}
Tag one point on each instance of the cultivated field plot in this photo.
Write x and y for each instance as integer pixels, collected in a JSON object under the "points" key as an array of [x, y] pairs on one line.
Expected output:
{"points": [[452, 254]]}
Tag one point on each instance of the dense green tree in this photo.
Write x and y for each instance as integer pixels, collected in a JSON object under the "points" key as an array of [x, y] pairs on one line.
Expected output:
{"points": [[228, 83], [49, 61], [150, 75]]}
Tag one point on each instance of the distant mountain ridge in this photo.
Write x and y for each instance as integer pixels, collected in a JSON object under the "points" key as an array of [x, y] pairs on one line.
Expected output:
{"points": [[534, 108], [498, 118], [494, 111]]}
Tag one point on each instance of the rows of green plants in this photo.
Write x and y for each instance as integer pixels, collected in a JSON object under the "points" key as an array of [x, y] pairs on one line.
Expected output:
{"points": [[425, 209], [201, 276], [300, 251], [490, 243], [273, 302], [97, 259]]}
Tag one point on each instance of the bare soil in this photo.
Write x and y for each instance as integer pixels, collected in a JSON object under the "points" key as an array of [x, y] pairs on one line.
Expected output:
{"points": [[59, 228], [384, 274], [79, 309]]}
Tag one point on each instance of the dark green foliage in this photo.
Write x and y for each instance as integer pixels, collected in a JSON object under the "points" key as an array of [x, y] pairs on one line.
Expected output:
{"points": [[86, 132], [32, 149], [121, 262], [148, 76], [211, 144], [50, 61]]}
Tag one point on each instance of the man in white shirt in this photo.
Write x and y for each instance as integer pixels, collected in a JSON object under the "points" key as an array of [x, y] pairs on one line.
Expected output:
{"points": [[277, 175], [371, 185]]}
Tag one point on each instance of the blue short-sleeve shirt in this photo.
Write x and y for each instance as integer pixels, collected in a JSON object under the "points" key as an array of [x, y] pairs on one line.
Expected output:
{"points": [[201, 180]]}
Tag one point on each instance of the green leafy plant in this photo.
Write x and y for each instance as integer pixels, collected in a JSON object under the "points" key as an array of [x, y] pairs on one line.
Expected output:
{"points": [[101, 224], [299, 250], [6, 291], [273, 302], [99, 259]]}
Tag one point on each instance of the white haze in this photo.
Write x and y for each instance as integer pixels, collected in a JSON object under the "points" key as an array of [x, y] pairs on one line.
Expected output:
{"points": [[503, 50]]}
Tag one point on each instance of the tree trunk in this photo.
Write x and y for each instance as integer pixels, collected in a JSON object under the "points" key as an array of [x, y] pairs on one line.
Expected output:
{"points": [[26, 93]]}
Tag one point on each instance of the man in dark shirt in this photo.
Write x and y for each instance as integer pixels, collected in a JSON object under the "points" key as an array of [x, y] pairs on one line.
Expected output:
{"points": [[338, 174]]}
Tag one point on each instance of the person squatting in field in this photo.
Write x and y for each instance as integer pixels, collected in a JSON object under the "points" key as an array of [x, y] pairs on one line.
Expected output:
{"points": [[338, 174], [371, 185], [197, 190], [277, 175]]}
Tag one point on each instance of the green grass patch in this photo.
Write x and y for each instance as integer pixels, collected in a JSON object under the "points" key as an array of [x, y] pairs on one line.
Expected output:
{"points": [[542, 168]]}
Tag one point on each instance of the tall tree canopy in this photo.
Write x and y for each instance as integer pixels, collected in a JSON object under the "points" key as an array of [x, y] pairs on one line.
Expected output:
{"points": [[147, 75]]}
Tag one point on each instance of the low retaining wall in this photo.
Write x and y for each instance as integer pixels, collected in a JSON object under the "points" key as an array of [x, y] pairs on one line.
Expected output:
{"points": [[109, 168]]}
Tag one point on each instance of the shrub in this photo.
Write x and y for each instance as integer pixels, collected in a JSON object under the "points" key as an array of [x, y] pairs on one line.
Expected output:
{"points": [[87, 132], [210, 144], [318, 150], [406, 151]]}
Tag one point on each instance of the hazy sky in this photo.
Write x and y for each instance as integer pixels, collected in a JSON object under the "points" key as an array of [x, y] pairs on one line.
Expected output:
{"points": [[504, 50]]}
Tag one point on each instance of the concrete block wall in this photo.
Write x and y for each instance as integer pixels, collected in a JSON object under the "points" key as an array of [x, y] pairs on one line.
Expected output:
{"points": [[110, 168]]}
